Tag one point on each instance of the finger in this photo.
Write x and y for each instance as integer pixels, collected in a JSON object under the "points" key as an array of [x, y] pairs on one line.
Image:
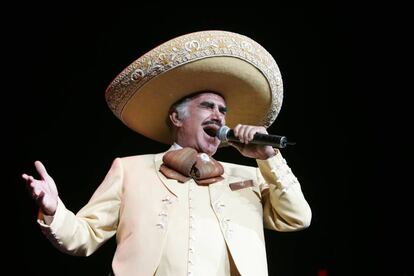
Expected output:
{"points": [[236, 130], [25, 177], [32, 184], [41, 169], [28, 179], [250, 133], [242, 134], [31, 180]]}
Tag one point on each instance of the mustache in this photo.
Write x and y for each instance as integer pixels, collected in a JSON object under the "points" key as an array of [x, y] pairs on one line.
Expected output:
{"points": [[212, 122]]}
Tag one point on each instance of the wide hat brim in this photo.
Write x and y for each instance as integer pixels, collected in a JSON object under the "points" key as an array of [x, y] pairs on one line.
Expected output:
{"points": [[230, 64]]}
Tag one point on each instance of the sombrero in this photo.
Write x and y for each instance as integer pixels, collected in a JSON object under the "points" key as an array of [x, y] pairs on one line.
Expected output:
{"points": [[230, 64]]}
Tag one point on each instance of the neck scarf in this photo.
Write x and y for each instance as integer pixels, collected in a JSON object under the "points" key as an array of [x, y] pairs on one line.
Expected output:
{"points": [[187, 163]]}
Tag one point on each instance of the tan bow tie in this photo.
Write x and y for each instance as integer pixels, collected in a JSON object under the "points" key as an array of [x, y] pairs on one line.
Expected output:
{"points": [[186, 163]]}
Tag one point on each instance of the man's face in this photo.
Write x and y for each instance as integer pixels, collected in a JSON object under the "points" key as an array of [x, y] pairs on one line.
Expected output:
{"points": [[206, 114]]}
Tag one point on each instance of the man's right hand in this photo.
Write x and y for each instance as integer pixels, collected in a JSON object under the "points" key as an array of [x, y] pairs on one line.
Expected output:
{"points": [[44, 191]]}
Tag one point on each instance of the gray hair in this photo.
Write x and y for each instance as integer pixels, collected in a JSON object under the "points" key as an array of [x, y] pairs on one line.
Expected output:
{"points": [[182, 108]]}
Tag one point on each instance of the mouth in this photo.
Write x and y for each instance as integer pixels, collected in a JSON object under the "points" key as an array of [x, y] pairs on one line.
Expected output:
{"points": [[211, 129]]}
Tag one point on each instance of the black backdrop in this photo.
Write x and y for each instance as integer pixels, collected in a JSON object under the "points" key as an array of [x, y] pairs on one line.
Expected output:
{"points": [[60, 60]]}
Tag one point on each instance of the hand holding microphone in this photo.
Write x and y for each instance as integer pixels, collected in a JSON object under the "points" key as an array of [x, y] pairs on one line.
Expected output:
{"points": [[225, 134]]}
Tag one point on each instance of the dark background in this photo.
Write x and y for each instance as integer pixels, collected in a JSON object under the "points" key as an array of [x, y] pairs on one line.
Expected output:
{"points": [[60, 59]]}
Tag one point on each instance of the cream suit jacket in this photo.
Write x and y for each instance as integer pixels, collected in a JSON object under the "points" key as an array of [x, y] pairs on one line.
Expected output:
{"points": [[133, 194]]}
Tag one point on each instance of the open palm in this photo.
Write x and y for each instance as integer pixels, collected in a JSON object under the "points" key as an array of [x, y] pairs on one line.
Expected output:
{"points": [[43, 190]]}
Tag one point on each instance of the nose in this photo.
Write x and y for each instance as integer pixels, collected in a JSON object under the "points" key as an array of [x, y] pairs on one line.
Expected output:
{"points": [[218, 116]]}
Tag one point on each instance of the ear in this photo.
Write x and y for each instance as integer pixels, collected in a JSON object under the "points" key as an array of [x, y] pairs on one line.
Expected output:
{"points": [[175, 120]]}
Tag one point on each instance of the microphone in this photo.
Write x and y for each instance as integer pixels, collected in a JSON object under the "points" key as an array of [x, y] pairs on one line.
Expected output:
{"points": [[226, 134]]}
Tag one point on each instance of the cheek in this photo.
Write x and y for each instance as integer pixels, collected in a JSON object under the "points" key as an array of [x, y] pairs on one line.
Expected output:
{"points": [[199, 117], [192, 123]]}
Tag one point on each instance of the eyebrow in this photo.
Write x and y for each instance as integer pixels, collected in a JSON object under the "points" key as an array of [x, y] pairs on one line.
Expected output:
{"points": [[221, 108]]}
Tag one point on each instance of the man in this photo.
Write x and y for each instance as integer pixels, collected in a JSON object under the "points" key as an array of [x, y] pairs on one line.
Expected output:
{"points": [[181, 212]]}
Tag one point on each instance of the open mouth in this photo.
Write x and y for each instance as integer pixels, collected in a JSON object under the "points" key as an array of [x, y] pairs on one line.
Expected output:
{"points": [[211, 130]]}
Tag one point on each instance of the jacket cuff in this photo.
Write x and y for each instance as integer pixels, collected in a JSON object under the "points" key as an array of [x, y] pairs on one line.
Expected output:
{"points": [[49, 224], [276, 171]]}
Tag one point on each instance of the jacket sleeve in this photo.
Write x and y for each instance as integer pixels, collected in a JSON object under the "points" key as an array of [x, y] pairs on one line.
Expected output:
{"points": [[96, 222], [284, 205]]}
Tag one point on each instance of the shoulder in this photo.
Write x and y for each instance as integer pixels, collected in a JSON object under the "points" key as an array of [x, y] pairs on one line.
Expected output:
{"points": [[134, 159]]}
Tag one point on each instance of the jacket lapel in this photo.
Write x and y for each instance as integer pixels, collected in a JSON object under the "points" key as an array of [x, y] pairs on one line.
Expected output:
{"points": [[172, 185]]}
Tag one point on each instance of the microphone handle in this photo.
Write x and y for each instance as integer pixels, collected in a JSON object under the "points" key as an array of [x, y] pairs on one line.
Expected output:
{"points": [[262, 139], [271, 140]]}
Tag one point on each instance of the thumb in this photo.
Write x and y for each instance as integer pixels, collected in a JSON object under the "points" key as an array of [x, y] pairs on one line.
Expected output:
{"points": [[41, 170]]}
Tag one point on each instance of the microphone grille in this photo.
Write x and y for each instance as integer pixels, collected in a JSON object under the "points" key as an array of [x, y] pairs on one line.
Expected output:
{"points": [[222, 133]]}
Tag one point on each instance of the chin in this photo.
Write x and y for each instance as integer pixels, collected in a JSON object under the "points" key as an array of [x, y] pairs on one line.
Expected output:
{"points": [[208, 144], [210, 149]]}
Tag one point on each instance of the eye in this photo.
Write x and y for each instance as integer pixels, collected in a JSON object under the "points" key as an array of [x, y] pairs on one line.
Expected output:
{"points": [[207, 105]]}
